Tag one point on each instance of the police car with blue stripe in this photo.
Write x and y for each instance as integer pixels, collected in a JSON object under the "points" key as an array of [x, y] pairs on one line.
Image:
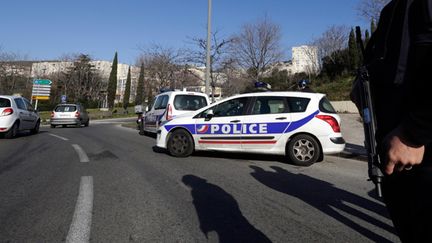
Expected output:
{"points": [[302, 126]]}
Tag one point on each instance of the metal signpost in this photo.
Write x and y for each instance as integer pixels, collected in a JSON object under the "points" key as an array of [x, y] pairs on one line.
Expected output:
{"points": [[41, 90]]}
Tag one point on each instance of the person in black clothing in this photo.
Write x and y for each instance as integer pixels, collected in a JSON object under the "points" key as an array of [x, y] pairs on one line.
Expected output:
{"points": [[303, 86], [399, 60]]}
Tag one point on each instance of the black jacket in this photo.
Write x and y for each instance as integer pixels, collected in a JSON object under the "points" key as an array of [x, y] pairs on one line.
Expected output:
{"points": [[399, 56]]}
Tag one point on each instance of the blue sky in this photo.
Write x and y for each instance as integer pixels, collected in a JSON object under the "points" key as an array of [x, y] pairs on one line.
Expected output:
{"points": [[47, 29]]}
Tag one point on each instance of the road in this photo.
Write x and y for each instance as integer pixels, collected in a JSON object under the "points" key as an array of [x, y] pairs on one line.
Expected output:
{"points": [[105, 183]]}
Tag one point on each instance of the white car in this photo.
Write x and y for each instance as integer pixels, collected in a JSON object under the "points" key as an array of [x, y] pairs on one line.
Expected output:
{"points": [[69, 114], [302, 126], [17, 114], [169, 105]]}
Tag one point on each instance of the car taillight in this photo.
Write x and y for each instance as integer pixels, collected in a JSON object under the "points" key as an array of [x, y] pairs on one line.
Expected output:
{"points": [[77, 114], [7, 112], [52, 114], [331, 121], [169, 113]]}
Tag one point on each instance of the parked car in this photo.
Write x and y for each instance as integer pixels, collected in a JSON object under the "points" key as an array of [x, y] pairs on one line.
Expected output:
{"points": [[69, 114], [302, 126], [17, 114], [169, 105]]}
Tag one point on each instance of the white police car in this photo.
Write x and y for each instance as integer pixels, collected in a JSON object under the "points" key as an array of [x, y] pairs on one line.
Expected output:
{"points": [[170, 104], [303, 126]]}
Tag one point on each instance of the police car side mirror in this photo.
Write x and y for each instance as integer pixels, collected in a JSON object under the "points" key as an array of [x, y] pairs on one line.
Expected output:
{"points": [[209, 115]]}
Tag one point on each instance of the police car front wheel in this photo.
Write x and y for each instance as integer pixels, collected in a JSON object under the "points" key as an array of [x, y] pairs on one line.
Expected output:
{"points": [[303, 150], [180, 143]]}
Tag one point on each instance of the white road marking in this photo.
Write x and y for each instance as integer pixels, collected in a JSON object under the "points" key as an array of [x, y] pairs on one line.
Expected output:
{"points": [[57, 136], [81, 153], [80, 228]]}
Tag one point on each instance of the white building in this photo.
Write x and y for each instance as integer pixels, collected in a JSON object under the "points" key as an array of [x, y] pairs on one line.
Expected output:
{"points": [[304, 60], [41, 69]]}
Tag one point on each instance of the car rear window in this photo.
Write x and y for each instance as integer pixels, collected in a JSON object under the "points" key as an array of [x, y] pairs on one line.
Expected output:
{"points": [[297, 104], [189, 102], [161, 102], [326, 106], [65, 108], [5, 102]]}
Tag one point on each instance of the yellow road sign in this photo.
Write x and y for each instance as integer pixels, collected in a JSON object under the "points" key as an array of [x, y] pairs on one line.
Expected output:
{"points": [[40, 97]]}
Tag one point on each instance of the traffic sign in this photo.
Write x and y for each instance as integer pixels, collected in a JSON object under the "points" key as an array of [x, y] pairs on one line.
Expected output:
{"points": [[40, 97], [41, 89], [63, 99], [42, 81]]}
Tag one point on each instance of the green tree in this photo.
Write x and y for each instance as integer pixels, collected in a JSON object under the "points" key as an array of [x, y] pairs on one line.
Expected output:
{"points": [[81, 82], [112, 83], [367, 37], [353, 52], [139, 98], [126, 95], [373, 26], [336, 64]]}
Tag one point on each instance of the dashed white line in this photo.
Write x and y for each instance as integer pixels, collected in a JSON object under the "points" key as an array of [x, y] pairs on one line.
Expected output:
{"points": [[80, 228], [57, 136], [81, 153]]}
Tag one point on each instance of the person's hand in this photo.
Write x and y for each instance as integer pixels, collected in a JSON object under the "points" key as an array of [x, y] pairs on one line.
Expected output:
{"points": [[400, 154]]}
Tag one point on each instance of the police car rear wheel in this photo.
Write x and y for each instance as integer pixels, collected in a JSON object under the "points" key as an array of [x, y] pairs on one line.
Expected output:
{"points": [[303, 150], [180, 144]]}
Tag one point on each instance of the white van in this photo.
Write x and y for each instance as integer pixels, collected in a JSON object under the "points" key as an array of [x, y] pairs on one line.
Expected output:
{"points": [[168, 105]]}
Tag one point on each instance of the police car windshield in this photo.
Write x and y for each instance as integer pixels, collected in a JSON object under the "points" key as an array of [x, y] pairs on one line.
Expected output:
{"points": [[189, 102]]}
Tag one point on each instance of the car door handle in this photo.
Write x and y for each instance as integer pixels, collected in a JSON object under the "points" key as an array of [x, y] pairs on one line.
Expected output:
{"points": [[281, 118], [235, 121]]}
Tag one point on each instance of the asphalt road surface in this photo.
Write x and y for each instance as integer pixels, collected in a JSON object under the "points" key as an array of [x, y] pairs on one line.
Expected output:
{"points": [[105, 183]]}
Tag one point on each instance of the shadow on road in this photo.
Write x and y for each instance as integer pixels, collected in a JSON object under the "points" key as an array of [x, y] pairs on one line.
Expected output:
{"points": [[218, 211], [242, 156], [326, 198]]}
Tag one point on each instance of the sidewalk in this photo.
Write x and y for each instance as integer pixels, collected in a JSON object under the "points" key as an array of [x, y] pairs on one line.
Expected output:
{"points": [[352, 131]]}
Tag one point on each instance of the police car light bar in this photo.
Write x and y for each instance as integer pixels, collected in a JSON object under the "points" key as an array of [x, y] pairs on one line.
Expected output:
{"points": [[262, 85]]}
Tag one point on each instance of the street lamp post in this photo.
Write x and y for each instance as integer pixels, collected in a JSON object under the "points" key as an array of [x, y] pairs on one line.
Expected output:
{"points": [[207, 74]]}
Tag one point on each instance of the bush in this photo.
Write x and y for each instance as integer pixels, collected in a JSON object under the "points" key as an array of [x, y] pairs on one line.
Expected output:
{"points": [[337, 90]]}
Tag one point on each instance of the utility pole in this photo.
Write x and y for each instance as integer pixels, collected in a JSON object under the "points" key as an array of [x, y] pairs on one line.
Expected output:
{"points": [[208, 64]]}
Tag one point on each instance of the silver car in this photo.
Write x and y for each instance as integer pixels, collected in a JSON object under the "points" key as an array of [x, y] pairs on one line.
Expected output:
{"points": [[17, 114], [69, 114]]}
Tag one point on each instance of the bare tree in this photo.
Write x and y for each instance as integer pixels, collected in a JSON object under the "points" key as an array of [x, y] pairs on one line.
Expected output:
{"points": [[236, 80], [14, 73], [219, 51], [334, 39], [256, 46], [161, 65], [371, 9]]}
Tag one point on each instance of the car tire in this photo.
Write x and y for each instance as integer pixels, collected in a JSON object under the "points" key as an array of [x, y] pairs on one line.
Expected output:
{"points": [[12, 132], [180, 143], [35, 130], [78, 124], [87, 123], [303, 150], [64, 126], [53, 126]]}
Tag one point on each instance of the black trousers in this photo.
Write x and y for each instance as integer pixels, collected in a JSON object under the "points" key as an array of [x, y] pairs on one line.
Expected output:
{"points": [[408, 196]]}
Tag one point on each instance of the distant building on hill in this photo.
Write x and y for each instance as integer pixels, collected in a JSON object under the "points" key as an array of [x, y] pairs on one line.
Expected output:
{"points": [[304, 60]]}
